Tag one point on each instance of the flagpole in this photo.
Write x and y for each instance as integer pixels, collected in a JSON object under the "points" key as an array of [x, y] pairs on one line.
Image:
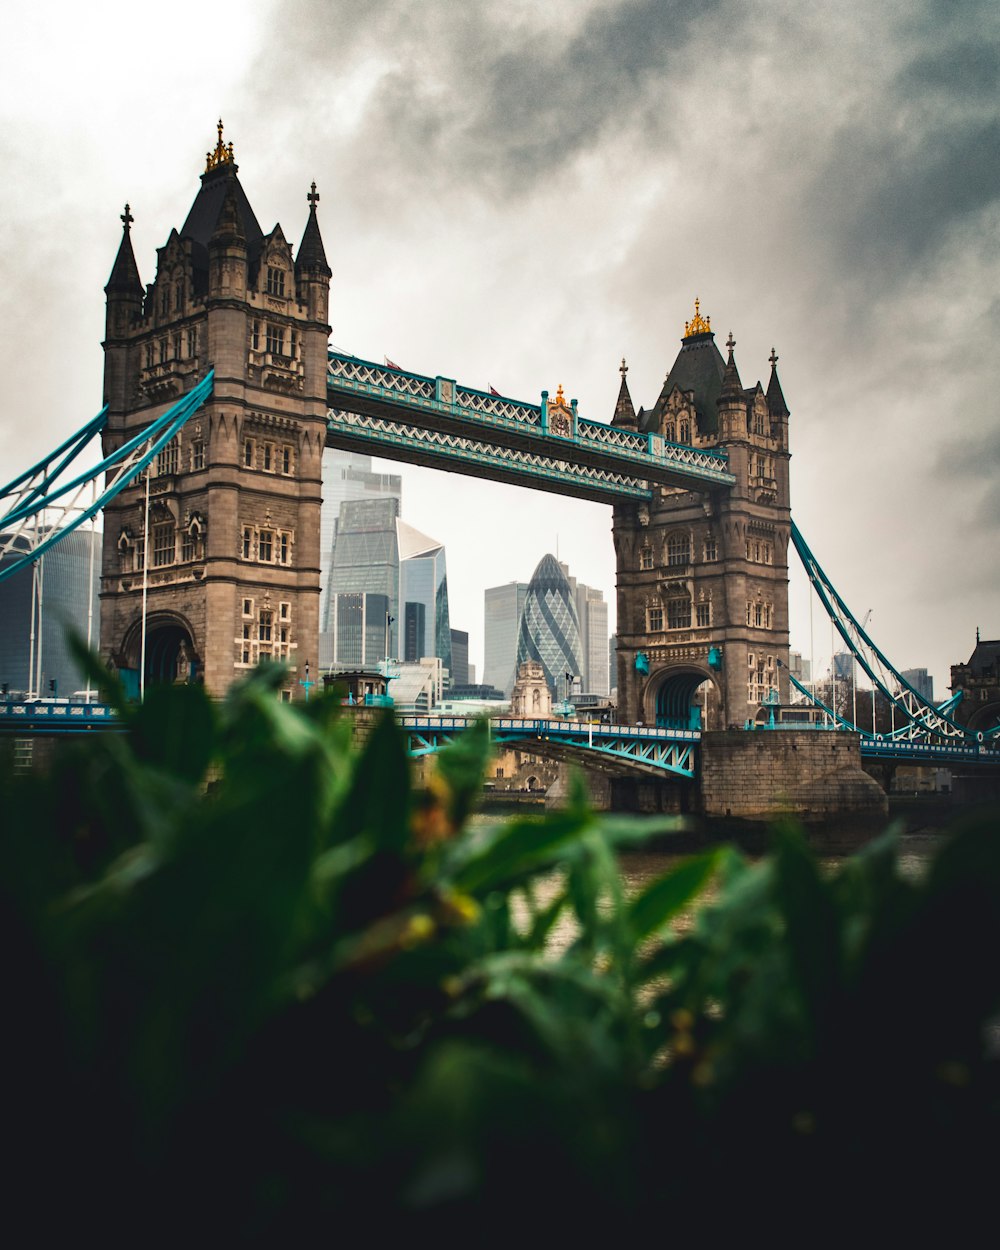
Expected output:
{"points": [[145, 590]]}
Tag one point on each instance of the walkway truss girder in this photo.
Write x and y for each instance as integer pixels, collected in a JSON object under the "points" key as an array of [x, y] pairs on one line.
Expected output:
{"points": [[437, 422], [621, 749]]}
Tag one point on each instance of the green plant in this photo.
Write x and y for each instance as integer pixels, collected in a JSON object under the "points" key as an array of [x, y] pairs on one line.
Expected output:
{"points": [[259, 984]]}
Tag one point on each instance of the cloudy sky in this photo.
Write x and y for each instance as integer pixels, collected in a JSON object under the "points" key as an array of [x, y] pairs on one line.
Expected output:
{"points": [[518, 195]]}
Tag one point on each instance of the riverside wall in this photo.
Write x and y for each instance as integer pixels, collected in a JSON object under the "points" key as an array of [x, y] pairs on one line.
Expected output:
{"points": [[761, 775]]}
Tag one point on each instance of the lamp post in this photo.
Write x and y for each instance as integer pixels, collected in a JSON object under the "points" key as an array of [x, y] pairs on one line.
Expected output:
{"points": [[307, 685]]}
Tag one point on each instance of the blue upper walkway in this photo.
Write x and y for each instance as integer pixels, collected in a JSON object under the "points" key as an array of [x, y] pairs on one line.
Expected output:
{"points": [[379, 409]]}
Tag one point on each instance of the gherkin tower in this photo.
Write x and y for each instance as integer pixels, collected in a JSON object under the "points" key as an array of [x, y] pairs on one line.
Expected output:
{"points": [[550, 629]]}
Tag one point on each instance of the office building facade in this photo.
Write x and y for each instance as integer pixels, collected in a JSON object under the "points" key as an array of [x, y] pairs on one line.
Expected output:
{"points": [[69, 575], [502, 606]]}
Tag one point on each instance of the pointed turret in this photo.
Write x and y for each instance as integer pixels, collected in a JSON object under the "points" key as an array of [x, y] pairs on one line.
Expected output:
{"points": [[124, 278], [624, 408], [776, 405], [731, 384], [732, 402], [312, 273], [311, 257]]}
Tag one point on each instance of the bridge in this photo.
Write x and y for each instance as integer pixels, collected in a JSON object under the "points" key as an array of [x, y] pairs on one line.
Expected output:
{"points": [[547, 446], [221, 392]]}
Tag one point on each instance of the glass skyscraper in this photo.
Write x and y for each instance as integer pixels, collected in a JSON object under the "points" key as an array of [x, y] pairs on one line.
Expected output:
{"points": [[70, 579], [347, 477], [365, 562], [423, 596], [550, 630], [502, 606]]}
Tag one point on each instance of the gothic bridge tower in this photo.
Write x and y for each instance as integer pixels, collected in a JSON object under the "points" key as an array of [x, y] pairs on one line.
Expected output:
{"points": [[232, 540], [703, 575]]}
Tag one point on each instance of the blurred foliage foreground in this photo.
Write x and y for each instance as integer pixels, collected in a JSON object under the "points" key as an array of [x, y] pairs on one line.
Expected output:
{"points": [[258, 985]]}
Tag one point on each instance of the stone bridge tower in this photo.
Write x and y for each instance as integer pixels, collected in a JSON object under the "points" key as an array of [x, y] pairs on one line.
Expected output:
{"points": [[703, 574], [228, 548]]}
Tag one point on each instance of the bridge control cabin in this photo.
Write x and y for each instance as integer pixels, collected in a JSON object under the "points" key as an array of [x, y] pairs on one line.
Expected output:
{"points": [[703, 573]]}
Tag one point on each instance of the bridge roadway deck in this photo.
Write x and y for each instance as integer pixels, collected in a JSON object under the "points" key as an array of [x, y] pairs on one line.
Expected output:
{"points": [[619, 749], [436, 422]]}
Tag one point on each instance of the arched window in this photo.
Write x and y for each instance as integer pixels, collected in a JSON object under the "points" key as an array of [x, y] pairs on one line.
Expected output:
{"points": [[685, 432], [669, 432], [679, 548], [645, 557]]}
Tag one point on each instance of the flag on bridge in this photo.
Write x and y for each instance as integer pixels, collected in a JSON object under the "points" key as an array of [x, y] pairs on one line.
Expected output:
{"points": [[495, 392], [390, 364]]}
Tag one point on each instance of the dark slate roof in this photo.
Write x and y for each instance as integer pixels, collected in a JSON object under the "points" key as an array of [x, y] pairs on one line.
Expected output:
{"points": [[624, 408], [776, 405], [985, 660], [699, 367], [203, 218], [125, 272], [311, 255]]}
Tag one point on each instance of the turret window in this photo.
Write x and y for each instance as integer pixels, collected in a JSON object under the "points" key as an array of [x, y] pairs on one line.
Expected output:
{"points": [[703, 615], [268, 457], [679, 549], [255, 336], [192, 337], [197, 454], [276, 340], [286, 459], [265, 546], [275, 281], [248, 453], [679, 614], [646, 558], [164, 545], [711, 548], [654, 620], [166, 460]]}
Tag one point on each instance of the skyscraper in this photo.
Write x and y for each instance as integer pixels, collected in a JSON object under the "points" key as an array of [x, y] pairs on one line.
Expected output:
{"points": [[423, 596], [365, 561], [460, 657], [592, 613], [549, 632], [502, 609], [69, 584], [347, 476]]}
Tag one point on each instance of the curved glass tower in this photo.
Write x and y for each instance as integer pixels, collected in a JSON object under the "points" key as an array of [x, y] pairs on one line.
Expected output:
{"points": [[550, 629]]}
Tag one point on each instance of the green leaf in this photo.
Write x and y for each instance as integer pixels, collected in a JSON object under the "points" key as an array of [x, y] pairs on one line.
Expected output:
{"points": [[509, 852], [174, 728], [661, 901]]}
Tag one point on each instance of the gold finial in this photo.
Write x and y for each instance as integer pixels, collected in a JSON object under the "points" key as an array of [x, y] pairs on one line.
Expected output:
{"points": [[560, 398], [698, 324], [223, 154]]}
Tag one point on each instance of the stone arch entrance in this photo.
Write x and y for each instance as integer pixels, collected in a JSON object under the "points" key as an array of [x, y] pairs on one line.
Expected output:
{"points": [[675, 703], [170, 652]]}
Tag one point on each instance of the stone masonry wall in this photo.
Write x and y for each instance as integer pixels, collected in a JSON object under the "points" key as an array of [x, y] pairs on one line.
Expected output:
{"points": [[761, 774]]}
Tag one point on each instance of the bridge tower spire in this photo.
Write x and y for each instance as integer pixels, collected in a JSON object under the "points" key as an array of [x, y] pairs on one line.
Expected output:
{"points": [[226, 554], [702, 573]]}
